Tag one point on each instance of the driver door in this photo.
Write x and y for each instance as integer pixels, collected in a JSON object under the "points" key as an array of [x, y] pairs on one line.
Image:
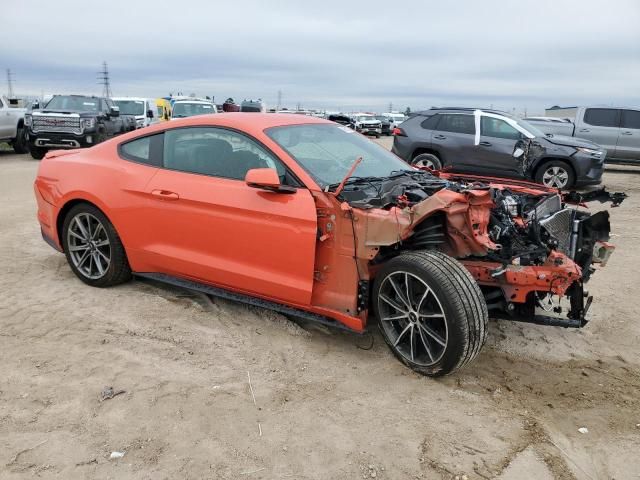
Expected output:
{"points": [[207, 224]]}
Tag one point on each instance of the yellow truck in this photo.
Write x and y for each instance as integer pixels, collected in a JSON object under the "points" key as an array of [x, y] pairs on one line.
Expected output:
{"points": [[164, 109]]}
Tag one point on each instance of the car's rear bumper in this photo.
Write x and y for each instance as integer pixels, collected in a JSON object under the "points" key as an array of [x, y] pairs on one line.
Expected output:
{"points": [[47, 215]]}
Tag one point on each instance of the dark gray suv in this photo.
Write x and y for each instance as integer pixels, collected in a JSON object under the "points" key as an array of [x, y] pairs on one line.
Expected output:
{"points": [[493, 143]]}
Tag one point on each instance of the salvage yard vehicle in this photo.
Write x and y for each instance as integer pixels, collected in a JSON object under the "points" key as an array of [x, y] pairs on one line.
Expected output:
{"points": [[367, 124], [385, 124], [72, 121], [483, 141], [308, 218], [164, 109], [616, 129], [12, 125], [191, 108], [144, 110], [395, 118]]}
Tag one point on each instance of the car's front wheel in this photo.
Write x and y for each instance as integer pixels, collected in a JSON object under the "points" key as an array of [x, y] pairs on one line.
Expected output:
{"points": [[93, 248], [555, 174], [428, 160], [431, 312], [20, 143], [37, 153]]}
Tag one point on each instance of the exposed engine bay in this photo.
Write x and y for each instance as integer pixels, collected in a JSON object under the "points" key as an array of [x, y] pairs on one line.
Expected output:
{"points": [[527, 246]]}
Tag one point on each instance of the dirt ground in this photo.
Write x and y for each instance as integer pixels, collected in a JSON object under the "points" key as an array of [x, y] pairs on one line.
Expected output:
{"points": [[326, 405]]}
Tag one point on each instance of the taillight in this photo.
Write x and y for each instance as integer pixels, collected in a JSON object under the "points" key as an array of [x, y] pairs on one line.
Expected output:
{"points": [[398, 132]]}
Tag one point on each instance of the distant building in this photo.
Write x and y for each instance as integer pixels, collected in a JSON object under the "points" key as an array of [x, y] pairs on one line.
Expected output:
{"points": [[560, 112]]}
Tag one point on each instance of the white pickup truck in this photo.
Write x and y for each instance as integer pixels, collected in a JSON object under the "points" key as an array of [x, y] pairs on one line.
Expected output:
{"points": [[12, 125]]}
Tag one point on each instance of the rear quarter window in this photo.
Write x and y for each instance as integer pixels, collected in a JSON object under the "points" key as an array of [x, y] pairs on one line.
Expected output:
{"points": [[147, 150], [430, 123]]}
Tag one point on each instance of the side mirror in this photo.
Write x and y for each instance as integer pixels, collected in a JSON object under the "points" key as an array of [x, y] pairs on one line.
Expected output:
{"points": [[266, 179], [149, 113], [114, 111], [35, 105]]}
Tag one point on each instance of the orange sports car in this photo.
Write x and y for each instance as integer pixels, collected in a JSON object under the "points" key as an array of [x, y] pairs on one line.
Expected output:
{"points": [[311, 219]]}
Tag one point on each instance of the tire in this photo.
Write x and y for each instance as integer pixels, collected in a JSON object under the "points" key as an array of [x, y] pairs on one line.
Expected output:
{"points": [[37, 153], [20, 143], [556, 174], [428, 160], [457, 329], [105, 247]]}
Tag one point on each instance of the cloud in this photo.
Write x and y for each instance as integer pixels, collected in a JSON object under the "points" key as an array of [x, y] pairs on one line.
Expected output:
{"points": [[334, 54]]}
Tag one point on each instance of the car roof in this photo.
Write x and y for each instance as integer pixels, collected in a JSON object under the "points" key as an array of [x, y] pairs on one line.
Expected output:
{"points": [[208, 102], [134, 99], [434, 110], [244, 121]]}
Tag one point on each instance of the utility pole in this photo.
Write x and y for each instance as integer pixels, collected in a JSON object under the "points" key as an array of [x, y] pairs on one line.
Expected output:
{"points": [[279, 100], [103, 79], [390, 107], [10, 83]]}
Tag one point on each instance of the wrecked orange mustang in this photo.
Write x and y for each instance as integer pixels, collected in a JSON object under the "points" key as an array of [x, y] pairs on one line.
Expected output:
{"points": [[311, 219]]}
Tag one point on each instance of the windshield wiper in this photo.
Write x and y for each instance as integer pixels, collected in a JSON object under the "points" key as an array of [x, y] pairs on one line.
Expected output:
{"points": [[346, 177]]}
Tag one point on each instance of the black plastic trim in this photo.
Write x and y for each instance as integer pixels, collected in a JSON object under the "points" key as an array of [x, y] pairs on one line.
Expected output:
{"points": [[239, 297]]}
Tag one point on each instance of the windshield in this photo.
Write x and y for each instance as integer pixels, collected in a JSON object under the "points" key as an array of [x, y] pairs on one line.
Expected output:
{"points": [[130, 107], [530, 128], [190, 109], [327, 152], [364, 118], [73, 103], [381, 118]]}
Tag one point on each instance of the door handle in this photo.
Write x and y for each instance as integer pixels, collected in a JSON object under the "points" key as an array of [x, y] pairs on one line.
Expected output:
{"points": [[627, 133], [584, 130], [485, 144], [440, 137], [165, 194]]}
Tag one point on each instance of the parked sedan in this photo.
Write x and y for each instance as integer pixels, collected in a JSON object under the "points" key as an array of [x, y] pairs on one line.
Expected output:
{"points": [[306, 217], [484, 142]]}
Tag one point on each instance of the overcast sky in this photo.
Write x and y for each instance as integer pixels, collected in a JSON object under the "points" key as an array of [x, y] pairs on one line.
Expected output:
{"points": [[345, 55]]}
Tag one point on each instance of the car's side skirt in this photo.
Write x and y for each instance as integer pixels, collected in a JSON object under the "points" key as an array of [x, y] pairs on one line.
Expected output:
{"points": [[248, 299]]}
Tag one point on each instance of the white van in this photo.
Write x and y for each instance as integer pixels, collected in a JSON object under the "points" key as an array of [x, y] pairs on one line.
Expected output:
{"points": [[144, 109], [190, 108], [394, 118]]}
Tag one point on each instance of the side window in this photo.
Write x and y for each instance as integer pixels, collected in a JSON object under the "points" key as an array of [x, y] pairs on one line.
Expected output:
{"points": [[457, 123], [431, 122], [497, 128], [631, 119], [147, 150], [217, 152], [602, 117]]}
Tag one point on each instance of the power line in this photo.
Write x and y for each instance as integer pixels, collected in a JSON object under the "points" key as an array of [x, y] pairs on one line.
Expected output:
{"points": [[103, 79]]}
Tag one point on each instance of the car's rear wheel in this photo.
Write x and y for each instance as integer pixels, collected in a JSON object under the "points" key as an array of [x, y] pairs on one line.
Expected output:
{"points": [[93, 248], [555, 174], [430, 311], [428, 160]]}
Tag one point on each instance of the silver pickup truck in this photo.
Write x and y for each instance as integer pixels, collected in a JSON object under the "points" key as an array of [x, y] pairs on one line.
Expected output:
{"points": [[12, 125], [617, 129]]}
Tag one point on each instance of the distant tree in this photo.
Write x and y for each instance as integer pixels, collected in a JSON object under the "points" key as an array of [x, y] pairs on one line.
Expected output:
{"points": [[407, 112]]}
